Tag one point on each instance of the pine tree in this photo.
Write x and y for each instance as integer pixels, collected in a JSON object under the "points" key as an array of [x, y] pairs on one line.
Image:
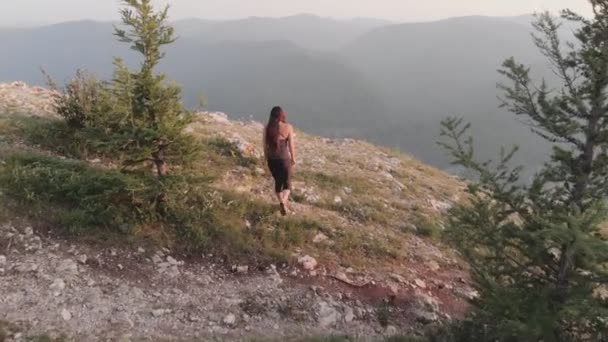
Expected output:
{"points": [[536, 251], [153, 109]]}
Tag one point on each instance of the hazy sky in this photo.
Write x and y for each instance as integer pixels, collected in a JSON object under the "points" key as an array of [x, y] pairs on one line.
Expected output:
{"points": [[50, 11]]}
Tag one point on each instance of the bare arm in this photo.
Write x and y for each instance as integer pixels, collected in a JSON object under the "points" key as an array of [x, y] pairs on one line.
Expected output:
{"points": [[265, 145], [292, 148]]}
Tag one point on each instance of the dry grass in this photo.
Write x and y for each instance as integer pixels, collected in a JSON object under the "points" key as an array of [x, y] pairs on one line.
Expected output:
{"points": [[364, 196]]}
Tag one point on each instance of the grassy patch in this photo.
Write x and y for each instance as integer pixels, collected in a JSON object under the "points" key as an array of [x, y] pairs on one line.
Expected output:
{"points": [[181, 211], [364, 211], [80, 196], [427, 227], [336, 182]]}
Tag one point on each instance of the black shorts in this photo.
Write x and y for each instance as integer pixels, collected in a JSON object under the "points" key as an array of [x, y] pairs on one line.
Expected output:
{"points": [[281, 172]]}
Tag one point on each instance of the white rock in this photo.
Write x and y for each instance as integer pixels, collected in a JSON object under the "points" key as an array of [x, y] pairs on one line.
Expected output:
{"points": [[66, 315], [307, 262], [337, 200], [433, 266], [141, 250], [57, 286], [160, 312], [391, 330], [172, 261], [421, 284], [328, 316], [241, 269], [28, 231], [82, 259], [157, 259], [230, 319], [319, 238], [218, 117], [349, 315], [2, 260]]}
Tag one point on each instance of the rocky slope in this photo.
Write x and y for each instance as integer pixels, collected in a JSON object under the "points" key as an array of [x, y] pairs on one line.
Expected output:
{"points": [[369, 272]]}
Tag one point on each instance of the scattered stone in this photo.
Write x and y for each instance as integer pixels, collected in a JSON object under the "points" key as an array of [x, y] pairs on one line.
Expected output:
{"points": [[218, 117], [433, 266], [425, 308], [349, 315], [307, 262], [66, 315], [468, 294], [160, 312], [398, 278], [391, 330], [28, 231], [172, 260], [230, 320], [57, 286], [240, 269], [259, 171], [421, 284], [319, 238], [347, 190], [141, 250], [82, 259], [244, 148], [157, 259], [120, 267], [2, 260], [328, 316], [338, 200]]}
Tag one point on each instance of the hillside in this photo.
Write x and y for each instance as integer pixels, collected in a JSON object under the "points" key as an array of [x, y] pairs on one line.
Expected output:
{"points": [[359, 257], [384, 82]]}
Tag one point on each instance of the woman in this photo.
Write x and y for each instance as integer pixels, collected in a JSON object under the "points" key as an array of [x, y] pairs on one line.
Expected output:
{"points": [[280, 154]]}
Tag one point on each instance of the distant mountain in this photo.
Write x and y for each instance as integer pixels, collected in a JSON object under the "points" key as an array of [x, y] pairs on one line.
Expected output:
{"points": [[308, 31], [390, 83], [427, 71], [245, 78]]}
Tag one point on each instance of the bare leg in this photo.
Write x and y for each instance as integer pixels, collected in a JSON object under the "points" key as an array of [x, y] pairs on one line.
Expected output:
{"points": [[280, 197], [286, 194]]}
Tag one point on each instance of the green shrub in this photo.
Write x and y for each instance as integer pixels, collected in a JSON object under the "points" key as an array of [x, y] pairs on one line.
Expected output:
{"points": [[81, 101], [427, 227], [83, 196]]}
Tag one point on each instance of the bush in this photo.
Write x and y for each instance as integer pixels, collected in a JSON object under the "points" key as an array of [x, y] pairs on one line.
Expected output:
{"points": [[427, 227], [81, 101], [81, 196]]}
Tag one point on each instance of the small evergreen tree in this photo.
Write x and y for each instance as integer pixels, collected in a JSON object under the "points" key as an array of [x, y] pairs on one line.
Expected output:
{"points": [[151, 109], [535, 250]]}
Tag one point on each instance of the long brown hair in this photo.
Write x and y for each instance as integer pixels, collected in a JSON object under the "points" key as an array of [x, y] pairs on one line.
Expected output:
{"points": [[277, 115]]}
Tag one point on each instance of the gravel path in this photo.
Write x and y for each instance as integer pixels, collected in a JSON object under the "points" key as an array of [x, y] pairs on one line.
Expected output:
{"points": [[86, 294]]}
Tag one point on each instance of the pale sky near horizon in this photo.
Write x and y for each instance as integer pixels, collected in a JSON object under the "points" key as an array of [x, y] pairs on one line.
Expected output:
{"points": [[24, 12]]}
